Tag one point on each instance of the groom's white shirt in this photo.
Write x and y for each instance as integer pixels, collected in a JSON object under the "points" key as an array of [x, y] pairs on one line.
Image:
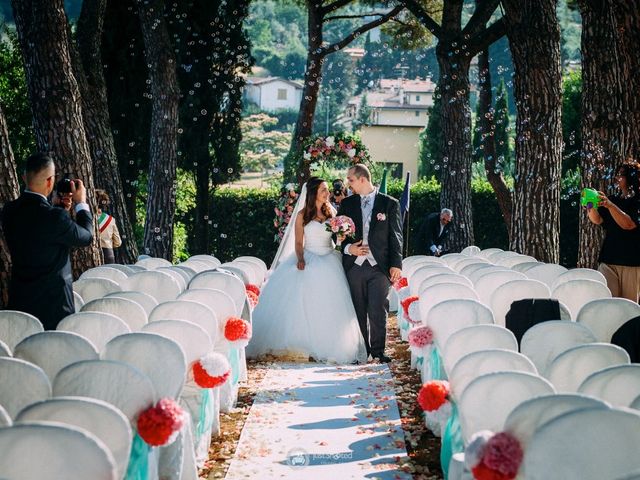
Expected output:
{"points": [[367, 210]]}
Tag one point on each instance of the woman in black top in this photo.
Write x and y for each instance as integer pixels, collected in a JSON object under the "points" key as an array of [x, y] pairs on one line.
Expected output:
{"points": [[619, 215]]}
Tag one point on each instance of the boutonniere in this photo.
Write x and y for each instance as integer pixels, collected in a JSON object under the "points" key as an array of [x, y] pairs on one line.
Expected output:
{"points": [[381, 217]]}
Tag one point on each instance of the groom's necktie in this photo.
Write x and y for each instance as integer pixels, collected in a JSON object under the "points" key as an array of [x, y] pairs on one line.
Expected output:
{"points": [[365, 202], [367, 208]]}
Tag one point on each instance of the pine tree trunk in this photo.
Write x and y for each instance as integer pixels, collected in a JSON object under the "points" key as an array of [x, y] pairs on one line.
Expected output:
{"points": [[203, 181], [158, 227], [9, 190], [97, 124], [312, 81], [627, 15], [603, 132], [534, 39], [55, 100], [487, 129], [455, 168]]}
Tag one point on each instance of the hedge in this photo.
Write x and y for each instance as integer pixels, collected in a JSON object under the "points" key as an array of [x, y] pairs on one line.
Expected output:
{"points": [[242, 220]]}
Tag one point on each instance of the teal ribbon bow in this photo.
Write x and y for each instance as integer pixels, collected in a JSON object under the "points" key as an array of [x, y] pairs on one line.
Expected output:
{"points": [[138, 468]]}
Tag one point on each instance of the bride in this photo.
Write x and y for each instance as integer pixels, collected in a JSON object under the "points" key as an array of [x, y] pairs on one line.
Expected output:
{"points": [[305, 308]]}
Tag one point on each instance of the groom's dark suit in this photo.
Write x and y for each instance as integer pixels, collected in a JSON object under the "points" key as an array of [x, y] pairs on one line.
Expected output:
{"points": [[39, 237], [370, 284]]}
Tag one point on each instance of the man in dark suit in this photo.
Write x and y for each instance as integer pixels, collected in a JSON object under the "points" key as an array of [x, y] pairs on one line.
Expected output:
{"points": [[373, 259], [39, 237], [434, 231]]}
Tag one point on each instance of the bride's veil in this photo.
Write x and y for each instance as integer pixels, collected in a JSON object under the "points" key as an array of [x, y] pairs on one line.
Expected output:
{"points": [[288, 243]]}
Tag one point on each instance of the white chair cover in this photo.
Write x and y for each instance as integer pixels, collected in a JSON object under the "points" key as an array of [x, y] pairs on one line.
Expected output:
{"points": [[107, 272], [407, 261], [208, 259], [5, 351], [570, 368], [452, 258], [16, 326], [509, 292], [197, 265], [512, 261], [188, 272], [229, 284], [236, 270], [487, 252], [126, 269], [499, 257], [92, 288], [546, 273], [152, 263], [587, 444], [580, 274], [189, 311], [465, 262], [489, 399], [129, 311], [487, 281], [636, 403], [195, 342], [524, 267], [160, 285], [449, 316], [55, 451], [471, 250], [146, 301], [422, 273], [630, 476], [526, 418], [5, 419], [117, 383], [443, 291], [177, 275], [54, 350], [136, 269], [543, 342], [575, 293], [97, 327], [100, 418], [158, 357], [218, 302], [78, 302], [23, 383], [604, 316], [474, 338], [185, 273], [444, 278], [476, 275], [476, 364], [469, 268], [253, 271], [257, 261], [421, 262], [618, 385]]}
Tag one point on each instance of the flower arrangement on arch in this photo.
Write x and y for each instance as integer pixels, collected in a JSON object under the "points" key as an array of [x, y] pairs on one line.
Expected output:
{"points": [[341, 149], [284, 209]]}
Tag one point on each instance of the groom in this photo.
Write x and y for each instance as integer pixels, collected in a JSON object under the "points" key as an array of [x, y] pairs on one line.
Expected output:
{"points": [[374, 260]]}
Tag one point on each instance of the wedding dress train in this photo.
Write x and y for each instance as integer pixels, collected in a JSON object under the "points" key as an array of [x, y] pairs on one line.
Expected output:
{"points": [[308, 312]]}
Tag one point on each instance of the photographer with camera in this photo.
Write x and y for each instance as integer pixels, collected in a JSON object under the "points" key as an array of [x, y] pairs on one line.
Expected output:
{"points": [[40, 237], [62, 194], [338, 193]]}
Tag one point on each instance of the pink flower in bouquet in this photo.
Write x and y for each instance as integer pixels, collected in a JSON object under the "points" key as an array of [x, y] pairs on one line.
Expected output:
{"points": [[420, 337], [341, 225]]}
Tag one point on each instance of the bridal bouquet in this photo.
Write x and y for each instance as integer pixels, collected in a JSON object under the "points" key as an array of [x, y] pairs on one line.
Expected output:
{"points": [[341, 226]]}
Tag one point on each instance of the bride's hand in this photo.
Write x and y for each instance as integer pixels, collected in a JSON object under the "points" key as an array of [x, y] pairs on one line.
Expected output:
{"points": [[300, 264]]}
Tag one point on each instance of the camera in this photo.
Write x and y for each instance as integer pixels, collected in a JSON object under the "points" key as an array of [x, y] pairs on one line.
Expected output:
{"points": [[64, 185]]}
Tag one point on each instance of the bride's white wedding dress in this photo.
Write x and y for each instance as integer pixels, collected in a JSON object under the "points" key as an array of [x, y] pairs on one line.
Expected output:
{"points": [[308, 312]]}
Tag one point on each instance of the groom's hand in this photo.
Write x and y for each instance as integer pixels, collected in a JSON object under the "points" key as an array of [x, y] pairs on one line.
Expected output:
{"points": [[358, 249], [395, 273]]}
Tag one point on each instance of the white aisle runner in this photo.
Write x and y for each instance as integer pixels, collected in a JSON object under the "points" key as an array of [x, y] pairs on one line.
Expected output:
{"points": [[315, 421]]}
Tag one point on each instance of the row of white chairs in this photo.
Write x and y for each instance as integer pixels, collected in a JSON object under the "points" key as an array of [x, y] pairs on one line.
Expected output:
{"points": [[127, 348]]}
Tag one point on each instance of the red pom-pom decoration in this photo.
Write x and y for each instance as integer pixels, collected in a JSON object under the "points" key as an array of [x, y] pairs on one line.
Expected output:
{"points": [[253, 298], [211, 371], [501, 458], [408, 301], [237, 330], [482, 472], [433, 395], [159, 425], [250, 287], [401, 283]]}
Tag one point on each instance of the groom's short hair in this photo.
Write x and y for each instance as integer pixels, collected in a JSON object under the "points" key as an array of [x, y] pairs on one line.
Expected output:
{"points": [[360, 170]]}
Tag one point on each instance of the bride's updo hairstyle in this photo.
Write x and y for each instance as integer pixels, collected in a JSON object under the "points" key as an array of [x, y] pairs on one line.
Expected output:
{"points": [[309, 212]]}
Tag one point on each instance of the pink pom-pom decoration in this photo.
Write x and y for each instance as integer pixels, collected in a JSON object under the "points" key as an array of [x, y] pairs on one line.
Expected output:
{"points": [[237, 331], [503, 454], [420, 337], [403, 282], [433, 395], [211, 371], [159, 425], [253, 299]]}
